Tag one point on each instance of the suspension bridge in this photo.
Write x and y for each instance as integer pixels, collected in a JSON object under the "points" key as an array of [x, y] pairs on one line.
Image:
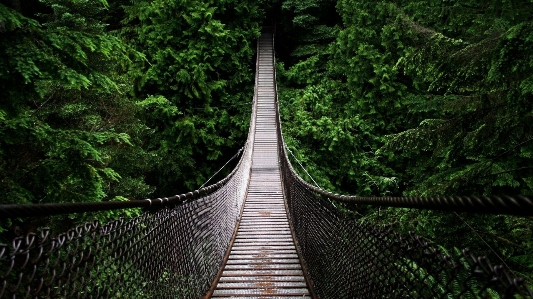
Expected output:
{"points": [[261, 232]]}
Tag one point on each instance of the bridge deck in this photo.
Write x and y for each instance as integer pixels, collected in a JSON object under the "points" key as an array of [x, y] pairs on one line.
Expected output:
{"points": [[263, 261]]}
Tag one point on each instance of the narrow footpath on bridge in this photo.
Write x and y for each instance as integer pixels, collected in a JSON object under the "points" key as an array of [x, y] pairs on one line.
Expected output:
{"points": [[263, 261]]}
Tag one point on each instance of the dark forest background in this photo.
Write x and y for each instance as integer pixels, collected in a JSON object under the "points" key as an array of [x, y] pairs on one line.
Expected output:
{"points": [[124, 100]]}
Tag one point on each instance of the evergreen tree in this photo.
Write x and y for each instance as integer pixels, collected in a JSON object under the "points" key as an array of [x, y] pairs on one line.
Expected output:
{"points": [[197, 81], [66, 117]]}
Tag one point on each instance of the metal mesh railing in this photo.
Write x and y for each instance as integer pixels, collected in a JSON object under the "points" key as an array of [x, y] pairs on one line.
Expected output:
{"points": [[350, 258], [172, 252]]}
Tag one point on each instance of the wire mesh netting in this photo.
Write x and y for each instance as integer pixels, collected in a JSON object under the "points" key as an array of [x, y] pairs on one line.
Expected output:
{"points": [[174, 252], [350, 258]]}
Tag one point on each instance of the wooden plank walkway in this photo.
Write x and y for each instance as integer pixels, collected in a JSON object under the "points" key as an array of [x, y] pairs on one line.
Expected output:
{"points": [[263, 262]]}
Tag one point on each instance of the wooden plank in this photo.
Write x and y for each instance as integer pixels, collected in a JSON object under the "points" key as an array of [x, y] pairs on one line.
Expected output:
{"points": [[260, 284], [263, 266], [265, 255], [236, 251], [238, 273], [263, 291], [260, 278], [263, 261], [262, 297]]}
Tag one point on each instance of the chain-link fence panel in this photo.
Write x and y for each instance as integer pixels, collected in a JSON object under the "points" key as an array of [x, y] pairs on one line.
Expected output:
{"points": [[352, 258]]}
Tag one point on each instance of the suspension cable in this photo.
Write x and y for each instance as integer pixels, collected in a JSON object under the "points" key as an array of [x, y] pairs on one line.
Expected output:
{"points": [[300, 164], [491, 204], [231, 159]]}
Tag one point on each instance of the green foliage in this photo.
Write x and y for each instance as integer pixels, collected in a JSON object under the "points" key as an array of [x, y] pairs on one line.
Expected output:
{"points": [[69, 130], [311, 24], [196, 79], [454, 92], [480, 131], [72, 128], [324, 123], [64, 114]]}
